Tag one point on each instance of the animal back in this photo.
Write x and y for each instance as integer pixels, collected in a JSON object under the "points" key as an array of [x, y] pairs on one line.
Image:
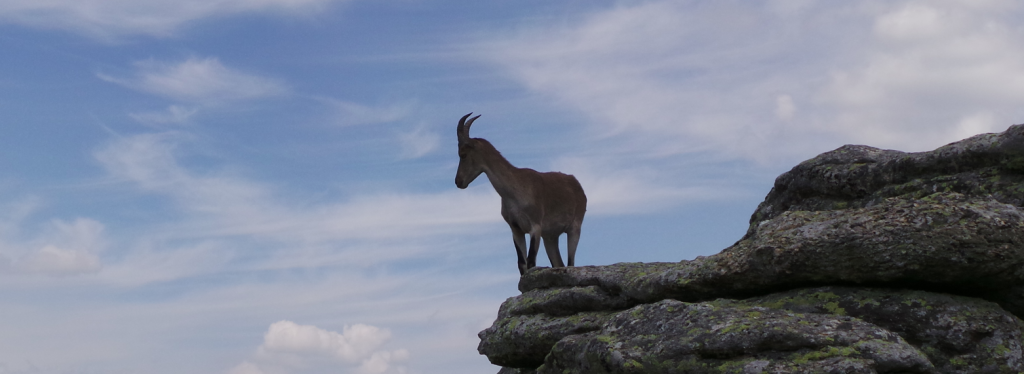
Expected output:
{"points": [[563, 197]]}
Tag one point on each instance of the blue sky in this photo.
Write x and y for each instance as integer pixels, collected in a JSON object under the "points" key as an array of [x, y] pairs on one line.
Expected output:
{"points": [[267, 186]]}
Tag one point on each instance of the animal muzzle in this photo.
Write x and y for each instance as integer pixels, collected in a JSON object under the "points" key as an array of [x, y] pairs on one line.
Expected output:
{"points": [[464, 178]]}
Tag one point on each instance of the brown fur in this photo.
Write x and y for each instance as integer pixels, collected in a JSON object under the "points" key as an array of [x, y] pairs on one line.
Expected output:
{"points": [[544, 205]]}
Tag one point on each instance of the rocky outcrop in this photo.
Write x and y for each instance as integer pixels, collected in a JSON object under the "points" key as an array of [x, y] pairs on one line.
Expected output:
{"points": [[859, 260]]}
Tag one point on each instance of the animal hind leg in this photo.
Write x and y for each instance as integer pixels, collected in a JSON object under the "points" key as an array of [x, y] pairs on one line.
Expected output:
{"points": [[572, 240], [551, 246], [519, 239]]}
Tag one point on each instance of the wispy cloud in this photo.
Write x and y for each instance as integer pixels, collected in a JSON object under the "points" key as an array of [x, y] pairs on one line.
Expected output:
{"points": [[613, 189], [113, 19], [233, 205], [173, 115], [418, 142], [203, 81], [56, 248], [219, 205], [347, 113], [780, 79], [71, 249]]}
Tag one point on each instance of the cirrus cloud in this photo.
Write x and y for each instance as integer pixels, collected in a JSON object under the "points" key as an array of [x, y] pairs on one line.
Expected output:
{"points": [[197, 80], [60, 248], [781, 79], [113, 19]]}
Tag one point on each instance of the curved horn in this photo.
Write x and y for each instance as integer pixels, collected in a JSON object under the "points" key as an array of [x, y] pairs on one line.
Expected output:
{"points": [[470, 123], [463, 130]]}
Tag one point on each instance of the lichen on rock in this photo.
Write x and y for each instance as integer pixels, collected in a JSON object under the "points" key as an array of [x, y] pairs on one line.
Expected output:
{"points": [[958, 334], [727, 336]]}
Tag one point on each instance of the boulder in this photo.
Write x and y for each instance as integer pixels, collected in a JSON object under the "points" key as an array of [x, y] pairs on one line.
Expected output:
{"points": [[855, 176], [859, 260]]}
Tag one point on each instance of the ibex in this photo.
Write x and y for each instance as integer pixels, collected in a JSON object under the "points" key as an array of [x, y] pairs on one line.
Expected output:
{"points": [[544, 205]]}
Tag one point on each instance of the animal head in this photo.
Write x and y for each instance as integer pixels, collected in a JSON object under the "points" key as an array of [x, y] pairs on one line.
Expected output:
{"points": [[470, 158]]}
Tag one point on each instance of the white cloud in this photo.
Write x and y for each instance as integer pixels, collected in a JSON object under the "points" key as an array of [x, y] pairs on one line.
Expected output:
{"points": [[976, 123], [151, 260], [353, 345], [784, 107], [684, 77], [935, 65], [113, 19], [197, 80], [358, 344], [173, 115], [346, 113], [59, 248], [912, 21], [227, 217], [13, 213], [71, 249], [222, 204], [57, 261], [418, 143], [613, 190], [381, 361]]}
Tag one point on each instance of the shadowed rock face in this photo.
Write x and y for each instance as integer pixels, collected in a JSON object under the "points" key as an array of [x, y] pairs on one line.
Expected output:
{"points": [[859, 260]]}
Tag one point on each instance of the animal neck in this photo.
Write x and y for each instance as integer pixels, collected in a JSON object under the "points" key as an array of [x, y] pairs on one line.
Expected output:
{"points": [[499, 171]]}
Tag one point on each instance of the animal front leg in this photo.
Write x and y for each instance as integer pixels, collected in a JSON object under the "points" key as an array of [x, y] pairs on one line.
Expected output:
{"points": [[519, 239], [531, 259], [551, 247]]}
